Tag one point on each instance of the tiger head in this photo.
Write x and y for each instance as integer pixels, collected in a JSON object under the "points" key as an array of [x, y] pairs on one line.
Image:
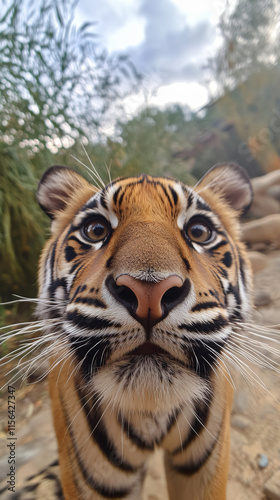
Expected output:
{"points": [[147, 279]]}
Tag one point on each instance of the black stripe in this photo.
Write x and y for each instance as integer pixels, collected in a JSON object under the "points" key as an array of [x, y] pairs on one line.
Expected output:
{"points": [[88, 478], [218, 245], [223, 272], [53, 258], [203, 356], [174, 195], [100, 435], [109, 262], [133, 436], [191, 468], [91, 352], [70, 253], [187, 264], [201, 412], [190, 199], [119, 179], [227, 259], [188, 469], [201, 205], [56, 284], [121, 198], [166, 194], [234, 289], [91, 302], [75, 267], [103, 201], [81, 243], [172, 421], [89, 322], [242, 272], [116, 194], [205, 305], [208, 327], [90, 205]]}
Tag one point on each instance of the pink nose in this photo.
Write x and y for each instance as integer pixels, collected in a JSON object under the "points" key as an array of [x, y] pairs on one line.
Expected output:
{"points": [[150, 296]]}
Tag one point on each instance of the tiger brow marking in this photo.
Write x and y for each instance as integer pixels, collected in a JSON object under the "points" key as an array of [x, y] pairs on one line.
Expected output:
{"points": [[121, 199], [166, 194], [203, 206], [90, 204], [174, 195], [218, 245], [103, 201], [116, 195], [190, 197]]}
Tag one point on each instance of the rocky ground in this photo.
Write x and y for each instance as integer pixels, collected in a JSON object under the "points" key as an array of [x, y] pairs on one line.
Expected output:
{"points": [[255, 453]]}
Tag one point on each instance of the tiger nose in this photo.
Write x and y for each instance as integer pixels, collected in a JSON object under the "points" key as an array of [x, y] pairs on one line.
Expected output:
{"points": [[149, 302]]}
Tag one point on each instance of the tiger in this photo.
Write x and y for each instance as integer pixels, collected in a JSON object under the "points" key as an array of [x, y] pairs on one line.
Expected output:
{"points": [[142, 285]]}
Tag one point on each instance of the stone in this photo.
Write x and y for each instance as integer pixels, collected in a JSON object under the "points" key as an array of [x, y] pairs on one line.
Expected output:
{"points": [[262, 298], [258, 261], [240, 422], [272, 487], [240, 402], [262, 461], [264, 230], [266, 190]]}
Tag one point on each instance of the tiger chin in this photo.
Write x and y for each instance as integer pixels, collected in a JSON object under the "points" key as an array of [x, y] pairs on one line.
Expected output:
{"points": [[147, 279]]}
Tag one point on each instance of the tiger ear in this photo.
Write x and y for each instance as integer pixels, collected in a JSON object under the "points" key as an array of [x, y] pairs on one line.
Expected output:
{"points": [[231, 182], [56, 187]]}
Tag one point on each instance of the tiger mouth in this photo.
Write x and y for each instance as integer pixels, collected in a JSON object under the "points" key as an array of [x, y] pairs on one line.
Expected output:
{"points": [[147, 349]]}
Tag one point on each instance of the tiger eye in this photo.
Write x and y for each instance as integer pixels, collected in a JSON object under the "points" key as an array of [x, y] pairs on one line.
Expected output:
{"points": [[199, 232], [96, 230]]}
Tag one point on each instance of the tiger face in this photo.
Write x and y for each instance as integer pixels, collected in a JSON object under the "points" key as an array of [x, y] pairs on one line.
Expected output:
{"points": [[148, 277]]}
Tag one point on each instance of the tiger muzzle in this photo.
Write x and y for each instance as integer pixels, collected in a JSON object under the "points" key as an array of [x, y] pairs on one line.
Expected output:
{"points": [[148, 302]]}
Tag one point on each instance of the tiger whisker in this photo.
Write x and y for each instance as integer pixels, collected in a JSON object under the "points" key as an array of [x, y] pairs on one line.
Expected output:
{"points": [[94, 171], [29, 324], [253, 359], [244, 369], [256, 347], [108, 168]]}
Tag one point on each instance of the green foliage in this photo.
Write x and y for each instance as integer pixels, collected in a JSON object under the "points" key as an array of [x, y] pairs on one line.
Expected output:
{"points": [[250, 31], [56, 85], [55, 81], [149, 141], [21, 224]]}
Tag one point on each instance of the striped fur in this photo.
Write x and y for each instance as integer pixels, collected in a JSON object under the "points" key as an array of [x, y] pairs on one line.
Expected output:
{"points": [[122, 384]]}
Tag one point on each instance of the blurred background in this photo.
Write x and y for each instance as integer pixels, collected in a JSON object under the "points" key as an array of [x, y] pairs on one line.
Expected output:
{"points": [[167, 88]]}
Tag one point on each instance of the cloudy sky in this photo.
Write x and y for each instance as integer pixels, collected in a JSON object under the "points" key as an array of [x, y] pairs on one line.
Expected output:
{"points": [[168, 41]]}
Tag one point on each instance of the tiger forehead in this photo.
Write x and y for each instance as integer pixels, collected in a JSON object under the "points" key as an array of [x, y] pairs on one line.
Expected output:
{"points": [[148, 194]]}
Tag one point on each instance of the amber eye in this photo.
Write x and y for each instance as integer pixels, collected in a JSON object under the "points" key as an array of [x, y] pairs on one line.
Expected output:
{"points": [[96, 230], [199, 232]]}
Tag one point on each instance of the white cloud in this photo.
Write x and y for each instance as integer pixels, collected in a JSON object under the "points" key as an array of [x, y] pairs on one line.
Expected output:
{"points": [[191, 93], [168, 39]]}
